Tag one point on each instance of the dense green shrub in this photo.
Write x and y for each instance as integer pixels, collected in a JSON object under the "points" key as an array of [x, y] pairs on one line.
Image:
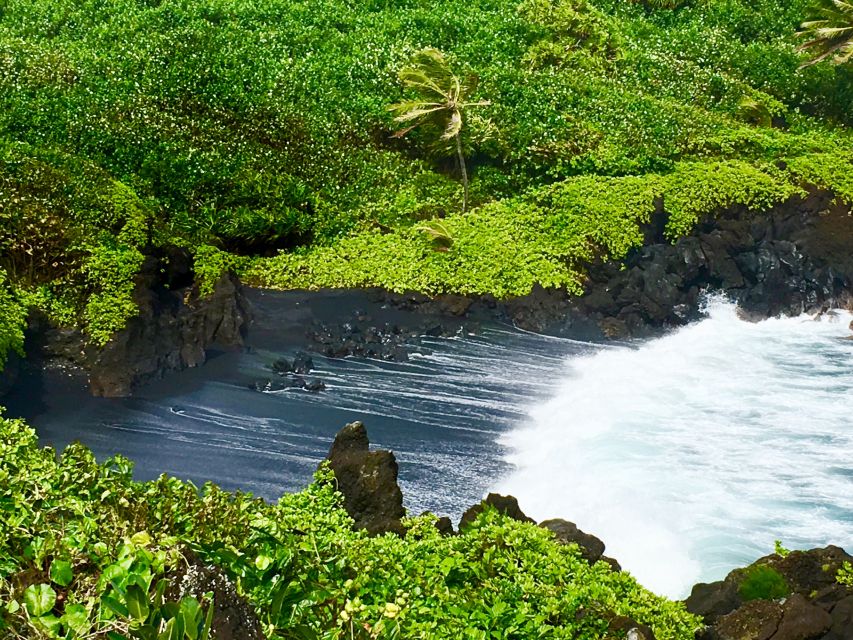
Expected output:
{"points": [[13, 316], [85, 549], [254, 127], [761, 582], [68, 229]]}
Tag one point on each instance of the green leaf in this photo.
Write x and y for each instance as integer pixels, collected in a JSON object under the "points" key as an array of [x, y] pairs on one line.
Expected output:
{"points": [[39, 599], [61, 573], [51, 624], [76, 618], [141, 539], [137, 602], [174, 630], [208, 623], [191, 614], [115, 606], [263, 562]]}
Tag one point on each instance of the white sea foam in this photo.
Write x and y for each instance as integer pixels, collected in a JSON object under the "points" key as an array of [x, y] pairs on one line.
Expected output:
{"points": [[692, 453]]}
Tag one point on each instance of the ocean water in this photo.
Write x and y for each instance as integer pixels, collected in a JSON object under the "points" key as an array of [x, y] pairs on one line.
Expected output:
{"points": [[692, 453], [688, 454]]}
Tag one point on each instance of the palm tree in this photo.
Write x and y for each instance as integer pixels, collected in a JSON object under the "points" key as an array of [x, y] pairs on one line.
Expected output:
{"points": [[442, 99], [830, 31]]}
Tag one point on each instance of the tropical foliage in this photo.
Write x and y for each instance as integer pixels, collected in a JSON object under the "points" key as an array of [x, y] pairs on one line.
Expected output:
{"points": [[258, 135], [829, 30], [443, 97], [86, 552]]}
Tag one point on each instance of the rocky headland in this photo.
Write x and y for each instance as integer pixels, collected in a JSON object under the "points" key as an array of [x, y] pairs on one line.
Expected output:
{"points": [[791, 259], [788, 595]]}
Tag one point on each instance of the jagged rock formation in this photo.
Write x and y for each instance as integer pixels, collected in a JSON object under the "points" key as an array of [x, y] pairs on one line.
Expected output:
{"points": [[172, 331], [815, 606], [592, 548], [368, 481], [507, 505]]}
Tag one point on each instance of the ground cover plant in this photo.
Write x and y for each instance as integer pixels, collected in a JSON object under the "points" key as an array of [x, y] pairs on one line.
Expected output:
{"points": [[86, 552], [259, 135]]}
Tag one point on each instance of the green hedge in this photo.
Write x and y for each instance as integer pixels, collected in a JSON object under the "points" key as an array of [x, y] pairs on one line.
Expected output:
{"points": [[85, 550]]}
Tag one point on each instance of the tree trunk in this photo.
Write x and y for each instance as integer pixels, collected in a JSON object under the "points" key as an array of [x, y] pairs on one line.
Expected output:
{"points": [[463, 171]]}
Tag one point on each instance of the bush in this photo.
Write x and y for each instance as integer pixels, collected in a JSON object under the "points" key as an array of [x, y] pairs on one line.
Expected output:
{"points": [[13, 317], [761, 582], [109, 546]]}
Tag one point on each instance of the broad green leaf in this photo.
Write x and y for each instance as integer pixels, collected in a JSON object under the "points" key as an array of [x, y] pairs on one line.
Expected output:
{"points": [[50, 623], [39, 599], [61, 572], [115, 606], [137, 602], [191, 614], [263, 562], [141, 539], [76, 618]]}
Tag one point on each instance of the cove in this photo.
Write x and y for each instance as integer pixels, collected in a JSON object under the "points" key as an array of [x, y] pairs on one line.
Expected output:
{"points": [[687, 454]]}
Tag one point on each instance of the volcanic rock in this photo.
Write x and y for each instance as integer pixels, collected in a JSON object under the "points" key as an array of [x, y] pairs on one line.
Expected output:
{"points": [[566, 532], [368, 481], [507, 505]]}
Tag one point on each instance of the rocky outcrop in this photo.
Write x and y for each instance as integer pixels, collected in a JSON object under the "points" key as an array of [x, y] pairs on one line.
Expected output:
{"points": [[173, 330], [507, 505], [812, 605], [233, 617], [368, 481], [592, 549], [788, 260]]}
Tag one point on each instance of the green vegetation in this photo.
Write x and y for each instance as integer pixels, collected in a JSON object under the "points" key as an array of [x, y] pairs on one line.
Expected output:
{"points": [[87, 552], [441, 103], [761, 582], [830, 31], [845, 574], [259, 135], [12, 320]]}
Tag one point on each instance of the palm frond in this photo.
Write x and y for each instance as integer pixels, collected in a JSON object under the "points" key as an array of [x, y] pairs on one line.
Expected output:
{"points": [[829, 30], [414, 114], [454, 125], [438, 233]]}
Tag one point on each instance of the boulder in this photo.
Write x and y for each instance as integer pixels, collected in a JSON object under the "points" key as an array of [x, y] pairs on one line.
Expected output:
{"points": [[302, 363], [756, 620], [368, 481], [807, 572], [507, 505], [801, 620], [713, 600], [233, 617], [842, 620], [592, 548]]}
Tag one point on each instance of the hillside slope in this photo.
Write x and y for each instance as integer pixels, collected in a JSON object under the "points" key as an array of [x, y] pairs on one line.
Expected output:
{"points": [[258, 135]]}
